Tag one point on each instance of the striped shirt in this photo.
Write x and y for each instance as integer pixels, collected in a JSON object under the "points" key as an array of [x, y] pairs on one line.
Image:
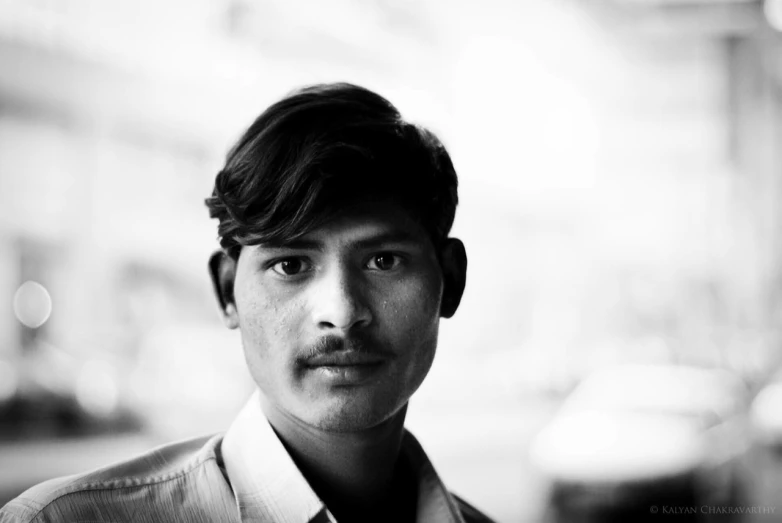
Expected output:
{"points": [[246, 475]]}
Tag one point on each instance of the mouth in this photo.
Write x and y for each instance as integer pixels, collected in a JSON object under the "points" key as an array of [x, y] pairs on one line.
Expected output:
{"points": [[348, 368], [349, 358]]}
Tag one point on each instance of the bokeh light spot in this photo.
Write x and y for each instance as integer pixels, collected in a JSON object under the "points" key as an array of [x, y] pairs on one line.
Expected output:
{"points": [[32, 304]]}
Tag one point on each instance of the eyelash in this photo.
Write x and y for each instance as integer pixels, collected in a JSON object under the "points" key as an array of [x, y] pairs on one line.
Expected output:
{"points": [[304, 261], [398, 259]]}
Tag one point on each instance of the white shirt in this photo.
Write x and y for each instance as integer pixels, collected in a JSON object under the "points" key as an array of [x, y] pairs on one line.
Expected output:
{"points": [[245, 476]]}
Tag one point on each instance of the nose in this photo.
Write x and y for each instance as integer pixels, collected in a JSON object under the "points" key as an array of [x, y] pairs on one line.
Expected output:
{"points": [[339, 301]]}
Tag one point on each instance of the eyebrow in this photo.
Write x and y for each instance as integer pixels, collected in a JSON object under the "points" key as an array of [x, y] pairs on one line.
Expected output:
{"points": [[298, 244], [362, 244], [385, 238]]}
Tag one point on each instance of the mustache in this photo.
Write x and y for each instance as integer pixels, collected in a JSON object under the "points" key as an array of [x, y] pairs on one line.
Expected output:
{"points": [[331, 344]]}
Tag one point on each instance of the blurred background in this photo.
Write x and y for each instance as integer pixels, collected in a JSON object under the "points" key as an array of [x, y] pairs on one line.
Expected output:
{"points": [[618, 346]]}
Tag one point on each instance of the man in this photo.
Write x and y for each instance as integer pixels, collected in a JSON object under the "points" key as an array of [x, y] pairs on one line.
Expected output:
{"points": [[335, 266]]}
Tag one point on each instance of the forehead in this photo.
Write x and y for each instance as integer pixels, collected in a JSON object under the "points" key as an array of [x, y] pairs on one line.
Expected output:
{"points": [[362, 226]]}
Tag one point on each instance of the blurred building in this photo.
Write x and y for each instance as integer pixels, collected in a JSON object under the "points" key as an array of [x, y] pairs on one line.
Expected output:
{"points": [[616, 156]]}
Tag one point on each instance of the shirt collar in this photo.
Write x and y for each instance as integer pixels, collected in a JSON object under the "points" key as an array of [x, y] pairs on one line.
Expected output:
{"points": [[268, 486], [435, 503], [266, 482]]}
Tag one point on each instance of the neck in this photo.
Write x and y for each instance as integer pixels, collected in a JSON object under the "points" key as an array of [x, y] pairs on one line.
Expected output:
{"points": [[352, 472]]}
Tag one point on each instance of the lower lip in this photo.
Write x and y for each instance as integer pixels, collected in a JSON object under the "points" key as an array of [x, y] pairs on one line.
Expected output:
{"points": [[348, 374]]}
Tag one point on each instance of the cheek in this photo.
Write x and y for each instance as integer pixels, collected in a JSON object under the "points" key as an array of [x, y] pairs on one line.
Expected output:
{"points": [[266, 319], [413, 307]]}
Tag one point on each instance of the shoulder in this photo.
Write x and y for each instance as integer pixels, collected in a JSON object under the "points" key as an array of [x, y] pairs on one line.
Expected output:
{"points": [[116, 488], [470, 513]]}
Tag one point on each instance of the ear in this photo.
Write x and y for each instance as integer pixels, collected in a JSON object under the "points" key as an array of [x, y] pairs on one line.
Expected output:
{"points": [[222, 269], [453, 262]]}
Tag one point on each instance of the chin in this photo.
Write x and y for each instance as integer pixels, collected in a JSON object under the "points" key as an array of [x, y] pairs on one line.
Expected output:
{"points": [[354, 416]]}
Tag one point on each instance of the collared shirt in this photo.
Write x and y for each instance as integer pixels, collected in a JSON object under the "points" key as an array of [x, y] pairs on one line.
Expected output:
{"points": [[245, 476]]}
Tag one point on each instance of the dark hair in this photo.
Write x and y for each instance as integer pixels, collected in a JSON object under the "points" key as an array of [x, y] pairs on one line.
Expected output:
{"points": [[323, 148]]}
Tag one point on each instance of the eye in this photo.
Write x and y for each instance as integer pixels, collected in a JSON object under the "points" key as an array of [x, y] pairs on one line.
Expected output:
{"points": [[290, 266], [384, 261]]}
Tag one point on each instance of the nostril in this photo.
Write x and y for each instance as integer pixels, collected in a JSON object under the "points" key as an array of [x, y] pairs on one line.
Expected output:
{"points": [[342, 316], [338, 301]]}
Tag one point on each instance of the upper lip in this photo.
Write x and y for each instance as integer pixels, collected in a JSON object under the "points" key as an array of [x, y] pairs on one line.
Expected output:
{"points": [[345, 358]]}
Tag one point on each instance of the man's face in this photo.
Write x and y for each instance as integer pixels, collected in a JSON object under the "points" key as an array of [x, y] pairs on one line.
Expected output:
{"points": [[340, 327]]}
